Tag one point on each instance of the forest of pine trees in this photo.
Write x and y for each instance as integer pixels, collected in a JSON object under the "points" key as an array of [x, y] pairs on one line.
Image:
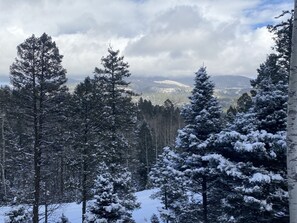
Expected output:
{"points": [[96, 143]]}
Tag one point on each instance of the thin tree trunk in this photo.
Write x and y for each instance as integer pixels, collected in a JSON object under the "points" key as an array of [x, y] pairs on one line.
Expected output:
{"points": [[37, 164], [292, 126], [62, 176], [204, 199], [84, 185], [45, 212], [36, 155], [3, 158], [166, 202]]}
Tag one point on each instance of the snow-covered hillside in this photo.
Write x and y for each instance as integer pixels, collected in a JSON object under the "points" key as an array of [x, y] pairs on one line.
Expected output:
{"points": [[174, 83], [73, 211]]}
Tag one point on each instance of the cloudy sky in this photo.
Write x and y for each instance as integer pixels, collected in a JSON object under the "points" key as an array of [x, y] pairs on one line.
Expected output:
{"points": [[157, 37]]}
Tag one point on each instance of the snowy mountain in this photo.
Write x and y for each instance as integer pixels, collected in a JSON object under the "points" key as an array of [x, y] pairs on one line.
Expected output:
{"points": [[157, 89]]}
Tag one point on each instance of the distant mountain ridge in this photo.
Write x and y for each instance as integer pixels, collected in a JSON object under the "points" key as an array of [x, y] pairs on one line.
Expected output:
{"points": [[228, 88]]}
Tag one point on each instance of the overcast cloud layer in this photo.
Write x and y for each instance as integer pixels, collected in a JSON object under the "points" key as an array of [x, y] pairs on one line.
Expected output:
{"points": [[157, 37]]}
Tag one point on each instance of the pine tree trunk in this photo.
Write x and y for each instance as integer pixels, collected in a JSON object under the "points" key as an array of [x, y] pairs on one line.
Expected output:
{"points": [[45, 212], [84, 186], [292, 126], [204, 199], [37, 156], [3, 158], [166, 202]]}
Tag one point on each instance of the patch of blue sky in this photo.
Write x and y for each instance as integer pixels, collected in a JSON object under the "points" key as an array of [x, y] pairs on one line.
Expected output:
{"points": [[267, 5], [273, 2], [260, 25]]}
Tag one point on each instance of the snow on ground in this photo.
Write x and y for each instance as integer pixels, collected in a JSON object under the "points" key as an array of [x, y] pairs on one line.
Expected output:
{"points": [[73, 210], [148, 206], [2, 212]]}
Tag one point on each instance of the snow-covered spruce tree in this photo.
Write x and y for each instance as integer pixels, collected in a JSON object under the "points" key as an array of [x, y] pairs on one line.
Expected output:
{"points": [[257, 183], [171, 187], [119, 125], [155, 219], [270, 101], [107, 206], [18, 214], [203, 118], [38, 80]]}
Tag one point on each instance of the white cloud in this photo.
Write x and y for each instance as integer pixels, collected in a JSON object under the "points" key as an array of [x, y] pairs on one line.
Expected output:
{"points": [[168, 37]]}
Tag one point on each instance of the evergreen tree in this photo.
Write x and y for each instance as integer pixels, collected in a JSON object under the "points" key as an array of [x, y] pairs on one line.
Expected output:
{"points": [[155, 219], [171, 183], [119, 110], [38, 79], [283, 39], [119, 129], [244, 103], [106, 207], [146, 153], [87, 125], [255, 145], [18, 214], [203, 119]]}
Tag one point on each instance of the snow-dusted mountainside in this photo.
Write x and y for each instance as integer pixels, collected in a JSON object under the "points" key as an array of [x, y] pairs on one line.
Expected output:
{"points": [[157, 89], [173, 83]]}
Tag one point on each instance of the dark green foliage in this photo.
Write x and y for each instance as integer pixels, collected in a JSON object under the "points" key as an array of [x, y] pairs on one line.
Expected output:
{"points": [[146, 153], [244, 103], [270, 70], [86, 122], [119, 111]]}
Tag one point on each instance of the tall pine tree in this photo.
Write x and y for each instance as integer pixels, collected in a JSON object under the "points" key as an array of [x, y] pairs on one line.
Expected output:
{"points": [[38, 78]]}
